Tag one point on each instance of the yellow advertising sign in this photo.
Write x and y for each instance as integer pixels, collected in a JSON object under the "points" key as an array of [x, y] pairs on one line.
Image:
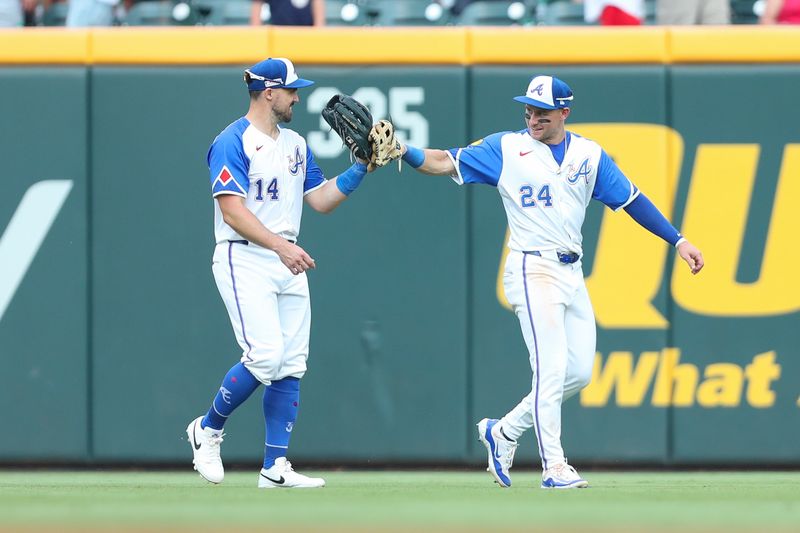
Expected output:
{"points": [[680, 384]]}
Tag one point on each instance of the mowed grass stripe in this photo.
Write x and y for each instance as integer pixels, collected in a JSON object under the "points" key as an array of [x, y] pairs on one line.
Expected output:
{"points": [[459, 501]]}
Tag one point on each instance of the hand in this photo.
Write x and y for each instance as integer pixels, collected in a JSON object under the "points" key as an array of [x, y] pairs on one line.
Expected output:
{"points": [[295, 258], [691, 255], [366, 163]]}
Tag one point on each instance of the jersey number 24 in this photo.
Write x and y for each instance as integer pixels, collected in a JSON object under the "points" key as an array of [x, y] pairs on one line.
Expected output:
{"points": [[543, 197]]}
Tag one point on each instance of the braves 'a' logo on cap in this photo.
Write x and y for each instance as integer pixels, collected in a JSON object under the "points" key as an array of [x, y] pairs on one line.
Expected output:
{"points": [[539, 89]]}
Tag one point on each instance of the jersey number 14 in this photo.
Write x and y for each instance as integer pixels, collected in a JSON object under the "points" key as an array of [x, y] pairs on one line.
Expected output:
{"points": [[272, 189]]}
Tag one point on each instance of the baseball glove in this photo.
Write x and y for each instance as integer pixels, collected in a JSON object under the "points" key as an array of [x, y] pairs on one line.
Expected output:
{"points": [[385, 146], [352, 122]]}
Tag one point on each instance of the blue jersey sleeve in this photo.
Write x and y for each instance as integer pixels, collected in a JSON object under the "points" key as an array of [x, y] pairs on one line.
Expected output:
{"points": [[649, 217], [481, 161], [612, 187], [314, 176], [228, 165]]}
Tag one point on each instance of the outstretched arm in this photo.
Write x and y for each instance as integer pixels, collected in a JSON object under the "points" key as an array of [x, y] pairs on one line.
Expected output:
{"points": [[429, 161], [642, 210], [328, 197]]}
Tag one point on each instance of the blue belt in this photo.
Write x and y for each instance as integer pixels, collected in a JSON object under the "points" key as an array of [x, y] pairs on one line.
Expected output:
{"points": [[563, 257]]}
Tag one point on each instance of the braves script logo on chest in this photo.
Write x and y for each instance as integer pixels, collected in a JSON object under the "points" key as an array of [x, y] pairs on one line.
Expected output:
{"points": [[296, 162], [584, 169]]}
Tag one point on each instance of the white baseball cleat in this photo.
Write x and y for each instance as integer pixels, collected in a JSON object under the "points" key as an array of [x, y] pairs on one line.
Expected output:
{"points": [[501, 451], [205, 447], [562, 476], [282, 476]]}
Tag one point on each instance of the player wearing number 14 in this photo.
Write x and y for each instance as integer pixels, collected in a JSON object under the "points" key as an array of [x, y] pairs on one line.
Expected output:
{"points": [[546, 177], [260, 175]]}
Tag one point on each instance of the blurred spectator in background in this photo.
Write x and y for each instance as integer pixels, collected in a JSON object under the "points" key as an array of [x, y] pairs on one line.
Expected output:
{"points": [[84, 13], [688, 12], [781, 12], [29, 11], [289, 12], [457, 6], [10, 13], [613, 12]]}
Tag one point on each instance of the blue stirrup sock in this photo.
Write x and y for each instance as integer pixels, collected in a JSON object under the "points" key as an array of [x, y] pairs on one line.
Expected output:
{"points": [[237, 386], [351, 178], [281, 401], [414, 156]]}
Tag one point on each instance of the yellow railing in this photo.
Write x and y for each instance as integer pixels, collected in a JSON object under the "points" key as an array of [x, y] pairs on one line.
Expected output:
{"points": [[401, 45]]}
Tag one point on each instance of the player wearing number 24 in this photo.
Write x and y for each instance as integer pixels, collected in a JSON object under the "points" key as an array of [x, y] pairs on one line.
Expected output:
{"points": [[546, 177], [260, 175]]}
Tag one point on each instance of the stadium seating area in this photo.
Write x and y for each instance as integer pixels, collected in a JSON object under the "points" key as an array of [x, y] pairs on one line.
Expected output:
{"points": [[379, 13]]}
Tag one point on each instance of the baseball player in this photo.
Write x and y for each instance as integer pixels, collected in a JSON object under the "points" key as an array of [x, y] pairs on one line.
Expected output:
{"points": [[260, 174], [546, 177]]}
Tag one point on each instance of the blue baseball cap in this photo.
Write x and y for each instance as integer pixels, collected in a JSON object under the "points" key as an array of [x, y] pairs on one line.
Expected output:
{"points": [[547, 92], [273, 73]]}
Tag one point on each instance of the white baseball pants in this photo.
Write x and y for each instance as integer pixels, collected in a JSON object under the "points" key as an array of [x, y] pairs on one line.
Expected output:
{"points": [[269, 309], [552, 304]]}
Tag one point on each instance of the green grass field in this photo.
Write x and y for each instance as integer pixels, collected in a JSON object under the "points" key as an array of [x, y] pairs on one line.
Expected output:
{"points": [[400, 501]]}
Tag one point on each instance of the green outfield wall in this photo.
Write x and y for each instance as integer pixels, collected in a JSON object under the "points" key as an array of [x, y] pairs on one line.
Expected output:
{"points": [[111, 328]]}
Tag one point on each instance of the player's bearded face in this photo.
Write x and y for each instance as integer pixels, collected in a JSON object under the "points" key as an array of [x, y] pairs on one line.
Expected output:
{"points": [[283, 102], [544, 125]]}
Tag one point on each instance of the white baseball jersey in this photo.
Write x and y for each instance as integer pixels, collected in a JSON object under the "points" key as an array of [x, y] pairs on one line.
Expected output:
{"points": [[545, 202], [269, 307], [545, 191], [273, 175]]}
